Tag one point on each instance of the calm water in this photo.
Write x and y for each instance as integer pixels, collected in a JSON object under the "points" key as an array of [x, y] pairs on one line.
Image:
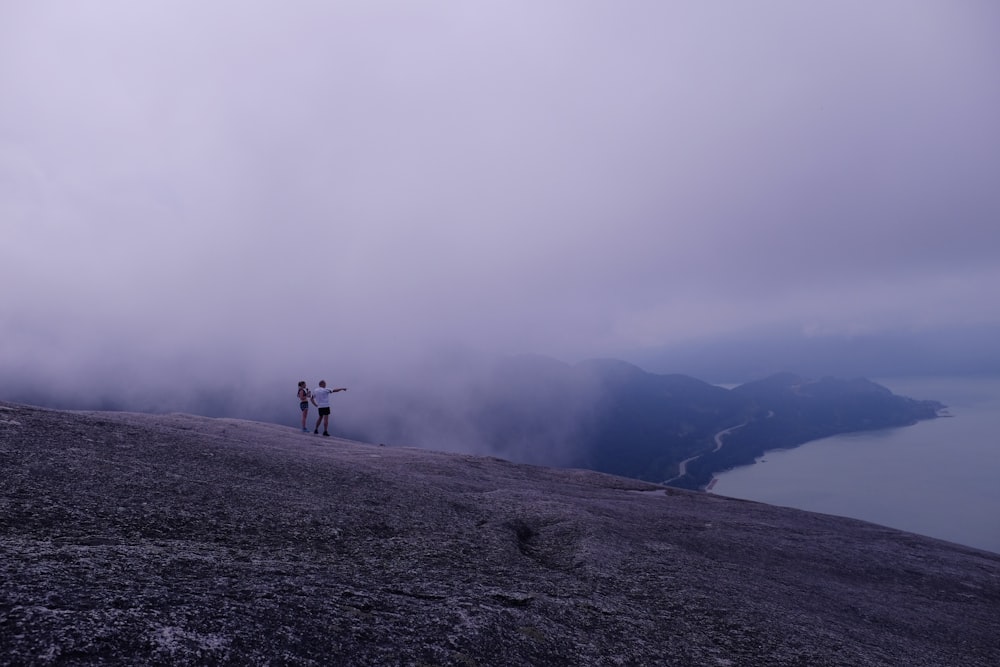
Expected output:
{"points": [[939, 478]]}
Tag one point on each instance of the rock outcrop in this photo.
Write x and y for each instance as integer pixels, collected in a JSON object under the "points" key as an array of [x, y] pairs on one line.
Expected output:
{"points": [[171, 539]]}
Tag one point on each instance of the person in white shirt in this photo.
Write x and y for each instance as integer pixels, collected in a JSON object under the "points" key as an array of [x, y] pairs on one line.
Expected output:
{"points": [[321, 399]]}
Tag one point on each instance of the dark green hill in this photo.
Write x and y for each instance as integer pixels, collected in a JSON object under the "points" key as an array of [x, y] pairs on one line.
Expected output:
{"points": [[787, 410], [614, 417], [644, 424]]}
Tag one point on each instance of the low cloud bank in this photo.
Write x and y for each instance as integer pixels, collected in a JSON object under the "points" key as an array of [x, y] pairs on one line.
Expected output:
{"points": [[525, 408]]}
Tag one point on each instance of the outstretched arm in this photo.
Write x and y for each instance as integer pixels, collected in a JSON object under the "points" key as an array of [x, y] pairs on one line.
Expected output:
{"points": [[340, 389]]}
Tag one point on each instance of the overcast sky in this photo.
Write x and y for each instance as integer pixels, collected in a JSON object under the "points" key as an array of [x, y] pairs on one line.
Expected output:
{"points": [[298, 186]]}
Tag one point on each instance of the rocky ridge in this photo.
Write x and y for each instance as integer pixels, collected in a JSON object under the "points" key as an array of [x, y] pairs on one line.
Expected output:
{"points": [[171, 539]]}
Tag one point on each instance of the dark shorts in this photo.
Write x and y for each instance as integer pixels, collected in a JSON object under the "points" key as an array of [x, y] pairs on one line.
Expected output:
{"points": [[304, 405], [324, 411]]}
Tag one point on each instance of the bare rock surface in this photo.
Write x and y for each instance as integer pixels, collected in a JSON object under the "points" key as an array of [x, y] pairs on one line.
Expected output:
{"points": [[172, 539]]}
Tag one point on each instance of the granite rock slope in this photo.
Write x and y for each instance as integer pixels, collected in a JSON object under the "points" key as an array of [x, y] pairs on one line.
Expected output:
{"points": [[171, 539]]}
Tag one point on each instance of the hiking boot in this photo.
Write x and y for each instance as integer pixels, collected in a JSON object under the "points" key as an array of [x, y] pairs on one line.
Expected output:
{"points": [[316, 431], [325, 433]]}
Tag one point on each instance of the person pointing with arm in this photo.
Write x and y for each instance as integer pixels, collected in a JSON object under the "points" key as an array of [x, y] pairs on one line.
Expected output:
{"points": [[321, 399]]}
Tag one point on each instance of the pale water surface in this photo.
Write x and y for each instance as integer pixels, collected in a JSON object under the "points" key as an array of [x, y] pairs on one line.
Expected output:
{"points": [[939, 478]]}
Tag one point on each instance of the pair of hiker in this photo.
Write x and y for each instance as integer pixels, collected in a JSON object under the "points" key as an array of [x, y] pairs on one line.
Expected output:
{"points": [[320, 397]]}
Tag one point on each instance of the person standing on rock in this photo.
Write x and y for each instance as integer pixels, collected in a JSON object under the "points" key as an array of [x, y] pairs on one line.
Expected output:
{"points": [[304, 396], [321, 399]]}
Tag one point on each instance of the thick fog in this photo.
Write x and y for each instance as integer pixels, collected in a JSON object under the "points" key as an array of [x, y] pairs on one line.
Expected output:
{"points": [[204, 202]]}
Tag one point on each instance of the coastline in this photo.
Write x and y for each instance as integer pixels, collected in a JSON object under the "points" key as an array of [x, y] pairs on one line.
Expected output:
{"points": [[954, 455], [786, 411]]}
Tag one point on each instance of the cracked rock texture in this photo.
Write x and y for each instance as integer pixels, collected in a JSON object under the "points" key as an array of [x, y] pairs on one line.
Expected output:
{"points": [[172, 539]]}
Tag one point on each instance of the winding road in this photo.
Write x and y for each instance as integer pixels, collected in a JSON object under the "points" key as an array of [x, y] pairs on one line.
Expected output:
{"points": [[682, 467]]}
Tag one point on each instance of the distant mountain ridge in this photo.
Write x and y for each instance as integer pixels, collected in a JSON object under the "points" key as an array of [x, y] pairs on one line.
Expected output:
{"points": [[657, 421], [614, 417]]}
